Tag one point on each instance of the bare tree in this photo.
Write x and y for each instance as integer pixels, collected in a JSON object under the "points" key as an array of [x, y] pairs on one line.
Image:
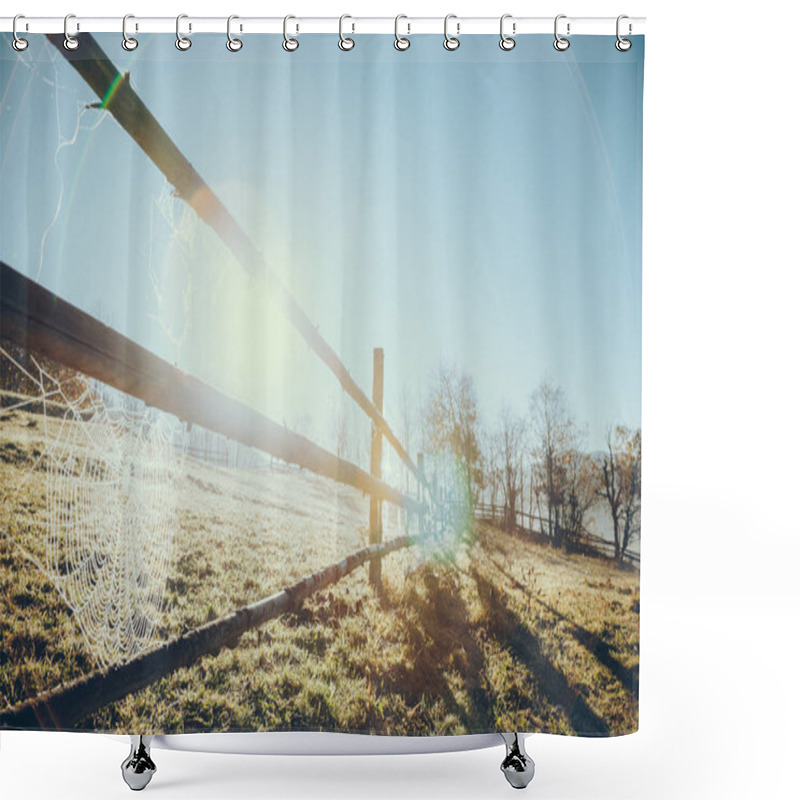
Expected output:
{"points": [[533, 499], [554, 438], [451, 423], [511, 448], [621, 485], [581, 474], [491, 467]]}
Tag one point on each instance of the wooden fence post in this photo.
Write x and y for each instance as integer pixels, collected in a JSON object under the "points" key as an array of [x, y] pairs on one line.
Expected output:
{"points": [[34, 318], [376, 453]]}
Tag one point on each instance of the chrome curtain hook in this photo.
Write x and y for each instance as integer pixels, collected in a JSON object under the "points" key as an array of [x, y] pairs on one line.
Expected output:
{"points": [[401, 42], [450, 42], [18, 43], [622, 44], [128, 42], [181, 42], [289, 44], [70, 42], [560, 43], [507, 42], [233, 44], [345, 43]]}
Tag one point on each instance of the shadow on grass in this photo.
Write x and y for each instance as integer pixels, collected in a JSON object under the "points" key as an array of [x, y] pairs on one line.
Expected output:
{"points": [[628, 677], [439, 639], [506, 627], [440, 652], [598, 647]]}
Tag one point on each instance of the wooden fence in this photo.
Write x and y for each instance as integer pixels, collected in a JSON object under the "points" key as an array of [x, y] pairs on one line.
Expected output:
{"points": [[35, 319], [65, 705], [124, 104], [118, 98], [536, 527], [38, 320]]}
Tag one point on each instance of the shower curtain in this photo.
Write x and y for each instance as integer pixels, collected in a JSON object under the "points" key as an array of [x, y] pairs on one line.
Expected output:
{"points": [[320, 385]]}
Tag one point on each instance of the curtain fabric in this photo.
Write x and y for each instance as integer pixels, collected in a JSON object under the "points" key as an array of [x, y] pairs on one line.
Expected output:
{"points": [[320, 385]]}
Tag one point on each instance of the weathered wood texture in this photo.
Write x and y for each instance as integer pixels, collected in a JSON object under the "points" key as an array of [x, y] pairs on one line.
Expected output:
{"points": [[38, 320], [118, 97], [64, 706]]}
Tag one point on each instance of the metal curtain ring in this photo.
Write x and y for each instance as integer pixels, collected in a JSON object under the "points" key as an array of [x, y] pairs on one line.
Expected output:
{"points": [[289, 44], [451, 42], [70, 42], [507, 42], [18, 43], [560, 43], [400, 42], [181, 42], [233, 44], [345, 43], [622, 44], [128, 42]]}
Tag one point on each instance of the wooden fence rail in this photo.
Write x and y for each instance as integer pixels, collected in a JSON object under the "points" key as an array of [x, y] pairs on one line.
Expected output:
{"points": [[118, 97], [63, 706], [34, 318], [494, 513]]}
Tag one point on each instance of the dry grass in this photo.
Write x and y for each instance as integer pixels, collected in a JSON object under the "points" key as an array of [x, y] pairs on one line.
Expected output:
{"points": [[509, 635]]}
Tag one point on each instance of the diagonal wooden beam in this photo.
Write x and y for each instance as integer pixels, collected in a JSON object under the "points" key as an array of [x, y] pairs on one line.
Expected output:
{"points": [[38, 320], [118, 97], [64, 706]]}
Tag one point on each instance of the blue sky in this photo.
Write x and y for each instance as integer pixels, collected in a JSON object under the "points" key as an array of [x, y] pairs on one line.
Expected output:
{"points": [[477, 207]]}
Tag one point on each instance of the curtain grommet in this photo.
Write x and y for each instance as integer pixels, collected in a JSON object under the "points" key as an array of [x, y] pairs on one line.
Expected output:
{"points": [[129, 43], [622, 44], [507, 42], [289, 44], [451, 43], [561, 43], [18, 43], [345, 42], [401, 43], [183, 43], [70, 42], [233, 44]]}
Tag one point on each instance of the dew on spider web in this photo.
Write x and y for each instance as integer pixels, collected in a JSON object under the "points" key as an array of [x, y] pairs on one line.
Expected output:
{"points": [[110, 465]]}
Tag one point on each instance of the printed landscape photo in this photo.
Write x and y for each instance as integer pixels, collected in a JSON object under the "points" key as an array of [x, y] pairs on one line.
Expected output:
{"points": [[275, 452]]}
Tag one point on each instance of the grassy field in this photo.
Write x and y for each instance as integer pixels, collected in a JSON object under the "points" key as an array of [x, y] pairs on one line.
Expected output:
{"points": [[509, 635]]}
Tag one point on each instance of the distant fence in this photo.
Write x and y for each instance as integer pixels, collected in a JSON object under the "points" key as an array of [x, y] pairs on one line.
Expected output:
{"points": [[536, 527], [205, 445]]}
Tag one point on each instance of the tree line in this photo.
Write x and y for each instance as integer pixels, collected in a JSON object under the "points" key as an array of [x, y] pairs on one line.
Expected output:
{"points": [[538, 460]]}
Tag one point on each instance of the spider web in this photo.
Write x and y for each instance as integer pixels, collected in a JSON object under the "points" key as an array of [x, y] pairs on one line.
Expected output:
{"points": [[101, 524], [110, 465]]}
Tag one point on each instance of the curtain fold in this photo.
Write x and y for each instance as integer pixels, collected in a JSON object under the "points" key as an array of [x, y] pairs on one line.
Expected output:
{"points": [[320, 385]]}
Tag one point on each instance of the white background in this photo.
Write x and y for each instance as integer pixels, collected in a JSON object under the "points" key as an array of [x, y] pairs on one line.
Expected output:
{"points": [[720, 599]]}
